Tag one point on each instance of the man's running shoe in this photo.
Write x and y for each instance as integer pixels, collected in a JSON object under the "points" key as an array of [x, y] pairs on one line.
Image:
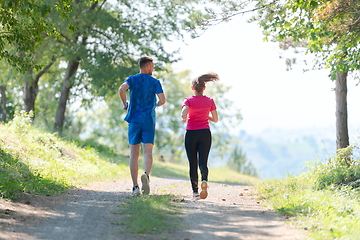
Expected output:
{"points": [[145, 189], [204, 193], [136, 191], [196, 197]]}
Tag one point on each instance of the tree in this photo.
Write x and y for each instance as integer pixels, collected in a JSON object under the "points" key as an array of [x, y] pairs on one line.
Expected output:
{"points": [[31, 85], [108, 39], [239, 162], [104, 121], [3, 103], [23, 25], [329, 29], [170, 129], [8, 80]]}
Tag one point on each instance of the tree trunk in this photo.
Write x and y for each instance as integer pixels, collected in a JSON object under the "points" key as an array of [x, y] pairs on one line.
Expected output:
{"points": [[68, 82], [30, 91], [342, 134], [31, 87], [3, 103]]}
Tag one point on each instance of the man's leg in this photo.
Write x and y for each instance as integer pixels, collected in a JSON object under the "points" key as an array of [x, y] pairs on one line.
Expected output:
{"points": [[148, 160], [148, 157], [134, 163]]}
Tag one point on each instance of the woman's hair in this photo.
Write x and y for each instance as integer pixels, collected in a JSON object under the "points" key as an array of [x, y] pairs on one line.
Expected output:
{"points": [[199, 82]]}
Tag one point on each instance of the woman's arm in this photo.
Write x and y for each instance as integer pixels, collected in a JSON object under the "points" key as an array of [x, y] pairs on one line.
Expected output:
{"points": [[213, 116], [184, 113]]}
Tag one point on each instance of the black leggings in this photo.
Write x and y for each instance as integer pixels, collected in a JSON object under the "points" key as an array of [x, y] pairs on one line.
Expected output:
{"points": [[197, 145]]}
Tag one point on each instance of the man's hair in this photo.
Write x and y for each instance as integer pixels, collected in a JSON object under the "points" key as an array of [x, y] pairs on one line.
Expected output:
{"points": [[145, 60]]}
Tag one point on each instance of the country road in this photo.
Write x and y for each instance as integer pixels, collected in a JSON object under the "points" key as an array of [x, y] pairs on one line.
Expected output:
{"points": [[229, 212]]}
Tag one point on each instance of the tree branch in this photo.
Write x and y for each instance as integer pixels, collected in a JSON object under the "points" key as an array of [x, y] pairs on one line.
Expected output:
{"points": [[357, 20], [102, 4], [219, 20], [53, 59]]}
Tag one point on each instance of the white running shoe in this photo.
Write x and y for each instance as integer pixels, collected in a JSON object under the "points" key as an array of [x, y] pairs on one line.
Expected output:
{"points": [[145, 189], [136, 191], [196, 197]]}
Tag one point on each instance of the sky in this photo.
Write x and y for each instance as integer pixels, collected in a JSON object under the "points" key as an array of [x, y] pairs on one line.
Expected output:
{"points": [[267, 94]]}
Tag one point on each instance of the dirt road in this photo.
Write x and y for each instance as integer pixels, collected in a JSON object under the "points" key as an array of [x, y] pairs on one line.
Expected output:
{"points": [[229, 212]]}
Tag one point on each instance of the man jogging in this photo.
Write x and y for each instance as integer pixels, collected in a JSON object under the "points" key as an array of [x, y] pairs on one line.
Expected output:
{"points": [[141, 118]]}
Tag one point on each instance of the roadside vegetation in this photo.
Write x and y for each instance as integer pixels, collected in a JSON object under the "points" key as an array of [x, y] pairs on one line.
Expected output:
{"points": [[151, 214], [39, 162], [325, 200], [34, 161]]}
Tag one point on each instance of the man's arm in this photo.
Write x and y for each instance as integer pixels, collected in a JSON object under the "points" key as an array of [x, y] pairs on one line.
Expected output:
{"points": [[162, 99], [122, 94]]}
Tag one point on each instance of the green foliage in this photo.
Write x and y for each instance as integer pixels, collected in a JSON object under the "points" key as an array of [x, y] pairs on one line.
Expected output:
{"points": [[229, 176], [169, 140], [171, 130], [45, 164], [47, 98], [151, 214], [21, 122], [341, 171], [34, 161], [9, 93], [219, 175], [329, 29], [104, 123], [100, 43], [230, 117], [23, 27], [239, 162], [17, 177], [109, 41], [326, 214], [325, 200]]}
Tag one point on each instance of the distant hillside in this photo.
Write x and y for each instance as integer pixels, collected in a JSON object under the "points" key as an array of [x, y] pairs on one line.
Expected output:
{"points": [[278, 152]]}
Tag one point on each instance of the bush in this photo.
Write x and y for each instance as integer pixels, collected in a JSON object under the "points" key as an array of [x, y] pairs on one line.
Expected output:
{"points": [[325, 200], [342, 170]]}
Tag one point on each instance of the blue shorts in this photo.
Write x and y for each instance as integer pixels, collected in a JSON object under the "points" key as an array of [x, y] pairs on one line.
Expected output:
{"points": [[141, 133]]}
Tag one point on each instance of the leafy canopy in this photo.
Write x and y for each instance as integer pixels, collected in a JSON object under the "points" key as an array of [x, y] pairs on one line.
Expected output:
{"points": [[329, 29], [24, 25]]}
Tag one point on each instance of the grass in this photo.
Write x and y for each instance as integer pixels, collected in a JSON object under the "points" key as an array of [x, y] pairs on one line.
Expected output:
{"points": [[219, 175], [37, 162], [151, 214], [33, 161], [16, 177], [325, 200]]}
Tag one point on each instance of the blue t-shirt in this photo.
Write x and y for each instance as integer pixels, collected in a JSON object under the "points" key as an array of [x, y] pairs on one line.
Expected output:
{"points": [[143, 90]]}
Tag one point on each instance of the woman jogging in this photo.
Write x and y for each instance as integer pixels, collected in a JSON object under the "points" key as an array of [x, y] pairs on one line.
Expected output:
{"points": [[197, 110]]}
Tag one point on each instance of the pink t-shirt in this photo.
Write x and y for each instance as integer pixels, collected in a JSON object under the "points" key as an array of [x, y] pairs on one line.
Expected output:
{"points": [[199, 109]]}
